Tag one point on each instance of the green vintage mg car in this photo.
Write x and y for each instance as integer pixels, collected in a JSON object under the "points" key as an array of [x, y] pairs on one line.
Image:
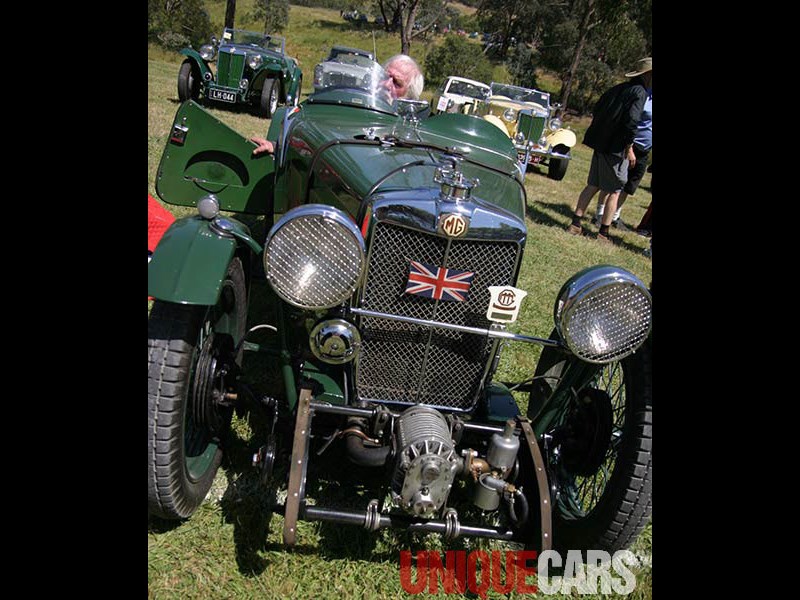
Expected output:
{"points": [[243, 68], [526, 115], [390, 257]]}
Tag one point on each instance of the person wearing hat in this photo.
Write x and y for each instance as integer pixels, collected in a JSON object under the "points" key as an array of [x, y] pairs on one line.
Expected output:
{"points": [[611, 134]]}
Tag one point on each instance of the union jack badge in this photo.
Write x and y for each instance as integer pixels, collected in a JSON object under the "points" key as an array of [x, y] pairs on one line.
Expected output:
{"points": [[505, 303], [438, 283]]}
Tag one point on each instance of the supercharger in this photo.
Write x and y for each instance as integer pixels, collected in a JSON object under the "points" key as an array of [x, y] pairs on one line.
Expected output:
{"points": [[426, 463]]}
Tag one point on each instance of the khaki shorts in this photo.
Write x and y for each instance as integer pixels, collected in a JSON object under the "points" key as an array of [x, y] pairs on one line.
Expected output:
{"points": [[609, 172]]}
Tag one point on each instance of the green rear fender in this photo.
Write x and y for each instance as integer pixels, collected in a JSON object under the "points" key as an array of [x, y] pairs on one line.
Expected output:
{"points": [[195, 57], [190, 262]]}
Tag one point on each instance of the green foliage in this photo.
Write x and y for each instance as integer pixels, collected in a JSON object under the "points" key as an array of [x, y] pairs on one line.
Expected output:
{"points": [[274, 14], [457, 56], [509, 19], [521, 65], [174, 25]]}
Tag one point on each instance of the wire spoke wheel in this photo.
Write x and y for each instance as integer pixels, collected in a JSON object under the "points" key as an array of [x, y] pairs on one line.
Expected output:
{"points": [[599, 455]]}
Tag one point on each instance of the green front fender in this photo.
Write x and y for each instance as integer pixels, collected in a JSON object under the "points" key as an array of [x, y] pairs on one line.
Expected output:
{"points": [[195, 57], [190, 262]]}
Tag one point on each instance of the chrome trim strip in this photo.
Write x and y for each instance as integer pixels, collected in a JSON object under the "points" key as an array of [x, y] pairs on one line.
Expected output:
{"points": [[506, 335]]}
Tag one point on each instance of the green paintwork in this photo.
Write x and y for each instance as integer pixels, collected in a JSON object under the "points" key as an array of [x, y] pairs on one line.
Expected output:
{"points": [[355, 168], [230, 67], [500, 404], [328, 379], [194, 55], [214, 159], [189, 264]]}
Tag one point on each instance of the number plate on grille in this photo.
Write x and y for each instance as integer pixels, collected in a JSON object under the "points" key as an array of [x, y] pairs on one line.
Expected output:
{"points": [[222, 96]]}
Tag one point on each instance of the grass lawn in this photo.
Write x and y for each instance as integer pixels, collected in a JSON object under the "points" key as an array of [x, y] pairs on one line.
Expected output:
{"points": [[232, 548]]}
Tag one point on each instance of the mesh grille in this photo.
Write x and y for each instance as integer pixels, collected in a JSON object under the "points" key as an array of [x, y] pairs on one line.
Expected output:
{"points": [[313, 262], [229, 69], [401, 362], [608, 323], [531, 126]]}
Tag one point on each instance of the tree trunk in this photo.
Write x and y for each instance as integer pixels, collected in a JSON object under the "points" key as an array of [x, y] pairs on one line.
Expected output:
{"points": [[230, 12], [407, 25], [585, 26]]}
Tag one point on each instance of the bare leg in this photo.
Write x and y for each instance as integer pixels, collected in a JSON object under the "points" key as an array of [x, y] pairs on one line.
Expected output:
{"points": [[585, 197], [620, 201], [611, 207]]}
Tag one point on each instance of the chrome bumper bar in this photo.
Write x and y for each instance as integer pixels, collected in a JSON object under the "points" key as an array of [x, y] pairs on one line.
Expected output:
{"points": [[492, 333]]}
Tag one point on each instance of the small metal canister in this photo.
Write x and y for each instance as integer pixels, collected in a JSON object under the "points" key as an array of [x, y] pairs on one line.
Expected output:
{"points": [[503, 448]]}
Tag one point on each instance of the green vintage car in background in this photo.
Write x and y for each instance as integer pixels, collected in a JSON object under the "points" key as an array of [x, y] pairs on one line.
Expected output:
{"points": [[391, 253], [527, 116], [243, 68]]}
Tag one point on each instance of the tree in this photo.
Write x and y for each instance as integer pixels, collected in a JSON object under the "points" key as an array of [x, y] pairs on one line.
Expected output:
{"points": [[230, 13], [178, 23], [274, 12], [457, 56], [404, 13], [508, 19], [592, 13]]}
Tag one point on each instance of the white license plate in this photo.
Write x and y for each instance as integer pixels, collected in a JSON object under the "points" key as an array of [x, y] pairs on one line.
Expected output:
{"points": [[223, 96]]}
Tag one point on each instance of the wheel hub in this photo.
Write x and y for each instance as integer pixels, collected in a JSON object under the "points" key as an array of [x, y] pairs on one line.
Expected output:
{"points": [[214, 366], [586, 436]]}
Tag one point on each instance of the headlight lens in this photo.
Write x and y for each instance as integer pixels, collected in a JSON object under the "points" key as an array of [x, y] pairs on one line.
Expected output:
{"points": [[207, 52], [519, 138], [555, 124], [603, 314], [314, 257], [254, 61], [510, 115]]}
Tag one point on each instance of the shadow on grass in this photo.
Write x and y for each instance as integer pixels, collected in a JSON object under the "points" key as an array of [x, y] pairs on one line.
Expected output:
{"points": [[159, 525], [560, 215], [248, 500]]}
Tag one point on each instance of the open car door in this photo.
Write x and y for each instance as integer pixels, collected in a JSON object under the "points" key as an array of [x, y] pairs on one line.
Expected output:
{"points": [[205, 156]]}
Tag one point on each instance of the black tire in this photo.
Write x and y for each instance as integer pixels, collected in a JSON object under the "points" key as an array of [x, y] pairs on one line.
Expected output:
{"points": [[183, 458], [270, 95], [558, 166], [613, 519], [188, 82]]}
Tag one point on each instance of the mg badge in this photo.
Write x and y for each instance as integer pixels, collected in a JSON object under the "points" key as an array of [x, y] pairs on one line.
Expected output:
{"points": [[504, 303], [453, 225]]}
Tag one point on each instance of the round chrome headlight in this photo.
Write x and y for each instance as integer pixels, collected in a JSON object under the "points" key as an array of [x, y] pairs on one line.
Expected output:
{"points": [[254, 61], [207, 52], [510, 115], [519, 138], [555, 124], [314, 257], [603, 313]]}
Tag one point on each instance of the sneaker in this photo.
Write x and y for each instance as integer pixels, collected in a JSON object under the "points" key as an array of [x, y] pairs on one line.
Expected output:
{"points": [[620, 225], [644, 232], [574, 229], [604, 239]]}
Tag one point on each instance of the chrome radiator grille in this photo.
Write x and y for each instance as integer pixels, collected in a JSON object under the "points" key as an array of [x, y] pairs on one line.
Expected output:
{"points": [[229, 69], [405, 363]]}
